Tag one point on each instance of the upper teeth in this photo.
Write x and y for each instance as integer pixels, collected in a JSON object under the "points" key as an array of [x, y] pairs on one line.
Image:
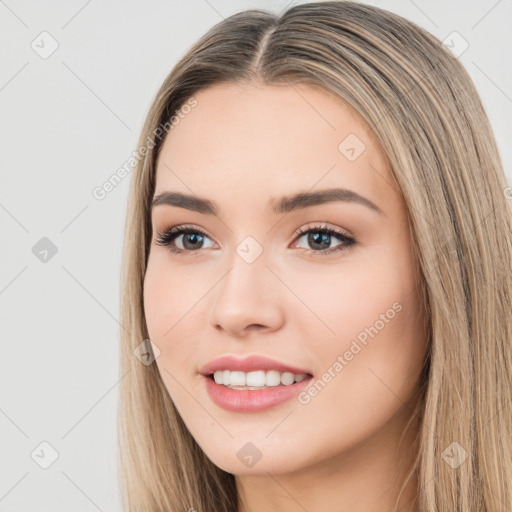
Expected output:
{"points": [[258, 378]]}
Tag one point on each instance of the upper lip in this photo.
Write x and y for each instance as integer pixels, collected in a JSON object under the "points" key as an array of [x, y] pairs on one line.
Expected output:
{"points": [[247, 364]]}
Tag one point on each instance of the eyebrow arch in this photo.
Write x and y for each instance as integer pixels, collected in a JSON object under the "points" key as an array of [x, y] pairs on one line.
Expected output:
{"points": [[283, 205]]}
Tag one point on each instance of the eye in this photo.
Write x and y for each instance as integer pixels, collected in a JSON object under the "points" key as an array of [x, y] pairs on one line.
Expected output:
{"points": [[321, 236], [193, 239]]}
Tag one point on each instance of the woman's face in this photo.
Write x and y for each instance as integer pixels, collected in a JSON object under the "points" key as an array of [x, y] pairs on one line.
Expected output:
{"points": [[341, 306]]}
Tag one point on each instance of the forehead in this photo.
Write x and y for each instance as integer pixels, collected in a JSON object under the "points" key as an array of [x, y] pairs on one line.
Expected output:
{"points": [[257, 141]]}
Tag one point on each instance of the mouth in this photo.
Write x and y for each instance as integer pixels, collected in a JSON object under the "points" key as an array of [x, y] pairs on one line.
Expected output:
{"points": [[253, 399], [254, 383]]}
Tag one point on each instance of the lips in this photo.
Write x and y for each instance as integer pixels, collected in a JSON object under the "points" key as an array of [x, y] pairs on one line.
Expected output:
{"points": [[249, 364]]}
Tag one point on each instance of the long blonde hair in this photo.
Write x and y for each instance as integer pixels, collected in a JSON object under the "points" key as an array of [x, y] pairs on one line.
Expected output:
{"points": [[426, 113]]}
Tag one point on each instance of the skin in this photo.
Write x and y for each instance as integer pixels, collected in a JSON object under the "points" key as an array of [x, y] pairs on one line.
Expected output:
{"points": [[243, 146]]}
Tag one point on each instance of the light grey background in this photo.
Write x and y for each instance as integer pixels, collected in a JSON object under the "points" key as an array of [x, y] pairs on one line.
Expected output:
{"points": [[68, 122]]}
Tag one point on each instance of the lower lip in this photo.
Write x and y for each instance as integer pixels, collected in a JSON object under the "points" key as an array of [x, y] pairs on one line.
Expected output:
{"points": [[252, 400]]}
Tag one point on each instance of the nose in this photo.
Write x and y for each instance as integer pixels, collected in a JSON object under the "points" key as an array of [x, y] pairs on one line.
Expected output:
{"points": [[249, 297]]}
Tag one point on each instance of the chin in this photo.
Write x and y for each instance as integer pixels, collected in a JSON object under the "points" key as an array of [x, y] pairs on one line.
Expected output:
{"points": [[257, 457]]}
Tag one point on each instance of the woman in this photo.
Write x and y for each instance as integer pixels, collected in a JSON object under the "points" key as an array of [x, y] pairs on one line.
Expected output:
{"points": [[317, 276]]}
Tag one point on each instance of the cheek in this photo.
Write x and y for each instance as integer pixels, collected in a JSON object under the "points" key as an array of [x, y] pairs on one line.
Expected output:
{"points": [[170, 295], [174, 307], [156, 299], [166, 318], [376, 354], [163, 308], [340, 301], [370, 369]]}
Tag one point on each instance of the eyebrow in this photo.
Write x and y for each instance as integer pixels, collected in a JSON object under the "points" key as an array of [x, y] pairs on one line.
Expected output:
{"points": [[283, 205]]}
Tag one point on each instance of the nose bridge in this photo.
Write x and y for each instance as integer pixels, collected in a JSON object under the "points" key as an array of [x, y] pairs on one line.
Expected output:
{"points": [[247, 279], [246, 295]]}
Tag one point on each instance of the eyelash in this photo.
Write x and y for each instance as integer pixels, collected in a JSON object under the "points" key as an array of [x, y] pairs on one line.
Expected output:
{"points": [[166, 238]]}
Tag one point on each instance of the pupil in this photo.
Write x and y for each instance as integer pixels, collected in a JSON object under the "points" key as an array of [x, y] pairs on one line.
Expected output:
{"points": [[192, 236], [318, 238]]}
